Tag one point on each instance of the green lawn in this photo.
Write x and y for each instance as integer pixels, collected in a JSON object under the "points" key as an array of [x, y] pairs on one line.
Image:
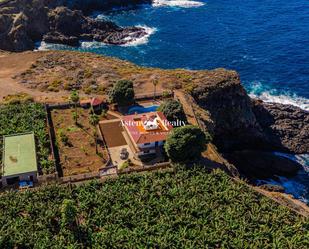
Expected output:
{"points": [[185, 209]]}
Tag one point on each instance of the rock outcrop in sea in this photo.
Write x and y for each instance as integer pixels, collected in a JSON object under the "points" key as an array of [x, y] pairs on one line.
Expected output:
{"points": [[24, 22]]}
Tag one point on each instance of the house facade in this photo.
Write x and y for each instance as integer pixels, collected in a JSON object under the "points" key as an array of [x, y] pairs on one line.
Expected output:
{"points": [[147, 132]]}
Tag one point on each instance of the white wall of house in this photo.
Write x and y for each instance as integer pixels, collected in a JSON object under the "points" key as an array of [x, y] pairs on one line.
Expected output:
{"points": [[147, 145], [148, 152], [150, 147]]}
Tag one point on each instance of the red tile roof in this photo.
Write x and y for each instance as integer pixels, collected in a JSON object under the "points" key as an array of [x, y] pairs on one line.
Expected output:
{"points": [[93, 102], [134, 126]]}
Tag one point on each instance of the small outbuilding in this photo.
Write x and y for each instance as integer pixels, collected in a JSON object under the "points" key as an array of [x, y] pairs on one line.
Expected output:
{"points": [[19, 161], [95, 103]]}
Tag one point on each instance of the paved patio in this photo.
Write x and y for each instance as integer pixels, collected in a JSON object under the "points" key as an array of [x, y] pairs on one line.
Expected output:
{"points": [[115, 154]]}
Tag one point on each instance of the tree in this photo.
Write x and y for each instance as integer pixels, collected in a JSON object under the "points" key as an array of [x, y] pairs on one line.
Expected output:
{"points": [[155, 82], [186, 143], [173, 110], [74, 97], [122, 93], [94, 121]]}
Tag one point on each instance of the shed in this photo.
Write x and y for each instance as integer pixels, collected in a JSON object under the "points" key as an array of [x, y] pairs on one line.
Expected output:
{"points": [[19, 159]]}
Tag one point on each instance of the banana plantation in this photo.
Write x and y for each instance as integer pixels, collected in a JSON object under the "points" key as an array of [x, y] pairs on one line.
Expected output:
{"points": [[21, 118], [187, 208]]}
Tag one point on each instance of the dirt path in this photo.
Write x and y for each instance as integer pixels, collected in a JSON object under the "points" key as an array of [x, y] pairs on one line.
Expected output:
{"points": [[12, 64], [181, 96]]}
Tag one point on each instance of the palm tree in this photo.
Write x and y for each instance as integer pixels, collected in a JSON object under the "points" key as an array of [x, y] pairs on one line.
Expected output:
{"points": [[74, 97], [94, 121], [155, 82]]}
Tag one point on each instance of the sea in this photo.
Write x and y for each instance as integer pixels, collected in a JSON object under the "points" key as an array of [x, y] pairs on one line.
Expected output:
{"points": [[266, 41]]}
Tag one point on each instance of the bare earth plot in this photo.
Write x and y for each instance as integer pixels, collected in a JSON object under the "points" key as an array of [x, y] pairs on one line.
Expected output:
{"points": [[79, 156]]}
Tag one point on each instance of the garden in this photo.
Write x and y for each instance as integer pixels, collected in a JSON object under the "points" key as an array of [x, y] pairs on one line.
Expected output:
{"points": [[77, 140]]}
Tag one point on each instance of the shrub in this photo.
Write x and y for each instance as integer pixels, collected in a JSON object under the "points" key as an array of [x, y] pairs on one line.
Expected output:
{"points": [[125, 164], [19, 98], [122, 93], [63, 137], [186, 143], [173, 110]]}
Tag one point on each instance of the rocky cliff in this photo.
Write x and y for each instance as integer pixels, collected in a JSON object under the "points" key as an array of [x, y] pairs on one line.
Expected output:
{"points": [[24, 22], [241, 123], [247, 130]]}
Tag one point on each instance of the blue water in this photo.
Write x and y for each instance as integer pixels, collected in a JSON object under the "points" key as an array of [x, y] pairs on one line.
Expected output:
{"points": [[142, 109], [267, 42]]}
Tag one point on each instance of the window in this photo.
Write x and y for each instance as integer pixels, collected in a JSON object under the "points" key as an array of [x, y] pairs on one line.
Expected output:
{"points": [[147, 144]]}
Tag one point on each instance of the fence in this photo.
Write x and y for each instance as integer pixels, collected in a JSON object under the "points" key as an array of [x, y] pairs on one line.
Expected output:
{"points": [[61, 106], [145, 168], [52, 137]]}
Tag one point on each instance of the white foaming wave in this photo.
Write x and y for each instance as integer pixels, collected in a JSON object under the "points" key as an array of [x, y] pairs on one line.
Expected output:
{"points": [[292, 185], [41, 46], [91, 44], [271, 96], [294, 100], [177, 3], [142, 40], [302, 159], [44, 46], [101, 17]]}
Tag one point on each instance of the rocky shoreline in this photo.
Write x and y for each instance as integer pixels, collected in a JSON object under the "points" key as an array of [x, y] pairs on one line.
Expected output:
{"points": [[248, 131], [25, 22]]}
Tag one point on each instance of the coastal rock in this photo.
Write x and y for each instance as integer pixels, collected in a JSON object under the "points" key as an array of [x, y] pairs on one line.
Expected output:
{"points": [[230, 108], [125, 35], [272, 188], [24, 22], [286, 127], [262, 165], [240, 123]]}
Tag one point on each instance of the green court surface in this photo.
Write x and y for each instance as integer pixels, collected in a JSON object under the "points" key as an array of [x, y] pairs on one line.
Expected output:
{"points": [[19, 154]]}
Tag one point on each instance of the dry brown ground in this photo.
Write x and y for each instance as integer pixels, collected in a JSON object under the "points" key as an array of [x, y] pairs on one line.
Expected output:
{"points": [[12, 64], [80, 156], [48, 76]]}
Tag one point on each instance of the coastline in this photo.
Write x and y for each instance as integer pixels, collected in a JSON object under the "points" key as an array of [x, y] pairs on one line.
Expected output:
{"points": [[13, 81]]}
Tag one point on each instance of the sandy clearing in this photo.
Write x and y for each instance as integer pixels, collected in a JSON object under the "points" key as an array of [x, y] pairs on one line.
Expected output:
{"points": [[12, 64]]}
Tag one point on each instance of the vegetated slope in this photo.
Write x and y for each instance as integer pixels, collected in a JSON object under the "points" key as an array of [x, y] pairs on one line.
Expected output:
{"points": [[181, 209], [21, 118]]}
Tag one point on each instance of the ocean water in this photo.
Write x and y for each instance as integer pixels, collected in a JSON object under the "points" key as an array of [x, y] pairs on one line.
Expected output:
{"points": [[267, 42]]}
